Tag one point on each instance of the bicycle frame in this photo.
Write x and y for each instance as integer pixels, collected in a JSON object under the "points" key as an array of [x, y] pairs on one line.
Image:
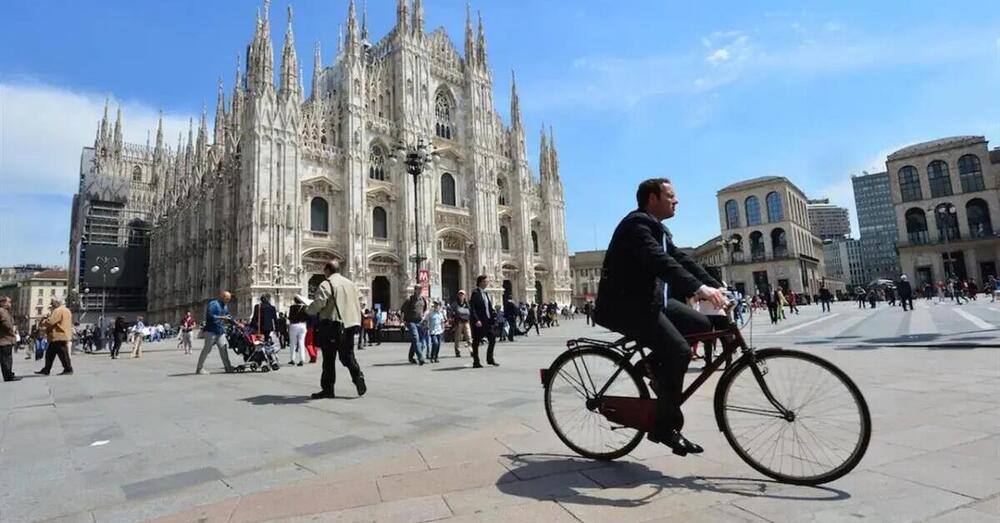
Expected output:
{"points": [[731, 339]]}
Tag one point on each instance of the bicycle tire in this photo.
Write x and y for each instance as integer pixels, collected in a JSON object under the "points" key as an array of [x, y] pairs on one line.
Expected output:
{"points": [[864, 417], [627, 368]]}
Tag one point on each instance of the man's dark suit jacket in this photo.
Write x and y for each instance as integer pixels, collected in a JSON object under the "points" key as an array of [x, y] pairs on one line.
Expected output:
{"points": [[634, 264], [480, 311], [905, 290], [264, 321]]}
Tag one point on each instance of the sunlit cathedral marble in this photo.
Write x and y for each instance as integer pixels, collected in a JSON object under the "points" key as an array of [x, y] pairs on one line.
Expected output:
{"points": [[289, 182]]}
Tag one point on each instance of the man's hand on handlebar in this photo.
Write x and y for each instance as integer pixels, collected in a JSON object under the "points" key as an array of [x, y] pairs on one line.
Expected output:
{"points": [[711, 295]]}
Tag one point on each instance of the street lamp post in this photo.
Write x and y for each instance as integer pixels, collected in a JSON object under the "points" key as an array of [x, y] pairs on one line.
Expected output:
{"points": [[105, 265], [416, 159], [948, 214]]}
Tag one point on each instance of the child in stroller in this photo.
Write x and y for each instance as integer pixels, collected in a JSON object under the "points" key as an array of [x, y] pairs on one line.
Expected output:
{"points": [[258, 354]]}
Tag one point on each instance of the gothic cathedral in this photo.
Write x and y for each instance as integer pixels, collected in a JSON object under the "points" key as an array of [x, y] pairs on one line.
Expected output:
{"points": [[289, 182]]}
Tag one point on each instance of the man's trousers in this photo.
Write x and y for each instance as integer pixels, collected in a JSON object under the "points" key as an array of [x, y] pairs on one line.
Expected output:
{"points": [[663, 333], [342, 347]]}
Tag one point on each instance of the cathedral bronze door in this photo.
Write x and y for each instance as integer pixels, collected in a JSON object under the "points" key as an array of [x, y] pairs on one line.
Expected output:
{"points": [[381, 293], [451, 280]]}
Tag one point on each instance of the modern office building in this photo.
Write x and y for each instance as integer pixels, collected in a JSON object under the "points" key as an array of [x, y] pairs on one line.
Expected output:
{"points": [[828, 221], [844, 261], [876, 226]]}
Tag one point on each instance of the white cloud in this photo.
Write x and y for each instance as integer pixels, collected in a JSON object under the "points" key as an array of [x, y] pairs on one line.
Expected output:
{"points": [[43, 129], [717, 57]]}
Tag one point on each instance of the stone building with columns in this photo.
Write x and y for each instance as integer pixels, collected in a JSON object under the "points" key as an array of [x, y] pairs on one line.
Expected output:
{"points": [[288, 181], [769, 239], [945, 194]]}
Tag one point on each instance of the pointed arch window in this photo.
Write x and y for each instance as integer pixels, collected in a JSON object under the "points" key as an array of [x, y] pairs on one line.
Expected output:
{"points": [[380, 223], [752, 205], [443, 112], [505, 239], [448, 189], [534, 242], [970, 173], [504, 197], [319, 215], [137, 174], [376, 163]]}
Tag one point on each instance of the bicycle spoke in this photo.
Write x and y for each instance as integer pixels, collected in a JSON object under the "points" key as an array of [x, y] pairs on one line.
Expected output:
{"points": [[827, 430]]}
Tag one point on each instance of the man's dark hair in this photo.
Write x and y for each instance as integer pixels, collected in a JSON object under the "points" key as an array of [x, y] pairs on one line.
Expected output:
{"points": [[648, 187], [480, 278], [332, 267]]}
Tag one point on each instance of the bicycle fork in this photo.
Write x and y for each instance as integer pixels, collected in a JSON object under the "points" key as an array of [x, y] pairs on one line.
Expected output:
{"points": [[759, 369]]}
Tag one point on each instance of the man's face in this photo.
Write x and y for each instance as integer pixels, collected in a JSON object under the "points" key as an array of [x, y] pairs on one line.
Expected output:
{"points": [[226, 297], [664, 205], [485, 283], [416, 290], [5, 303]]}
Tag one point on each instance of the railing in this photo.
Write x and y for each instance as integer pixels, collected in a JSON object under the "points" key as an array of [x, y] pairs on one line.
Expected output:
{"points": [[919, 238], [738, 258]]}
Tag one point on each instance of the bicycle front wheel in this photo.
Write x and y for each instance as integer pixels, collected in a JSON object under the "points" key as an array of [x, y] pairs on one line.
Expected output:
{"points": [[823, 432], [575, 378]]}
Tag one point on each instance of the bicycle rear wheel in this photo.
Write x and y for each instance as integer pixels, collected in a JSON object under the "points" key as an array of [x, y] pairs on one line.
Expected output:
{"points": [[825, 433], [576, 377]]}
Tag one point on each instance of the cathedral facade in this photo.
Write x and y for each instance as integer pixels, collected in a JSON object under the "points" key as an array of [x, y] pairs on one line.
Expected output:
{"points": [[286, 182]]}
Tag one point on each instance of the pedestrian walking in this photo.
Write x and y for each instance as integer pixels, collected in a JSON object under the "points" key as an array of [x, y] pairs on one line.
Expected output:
{"points": [[264, 318], [138, 331], [461, 313], [297, 329], [216, 313], [792, 302], [337, 305], [872, 297], [187, 327], [483, 318], [510, 316], [414, 309], [59, 331], [860, 295], [119, 333], [8, 338], [905, 293], [435, 330], [824, 298], [281, 325]]}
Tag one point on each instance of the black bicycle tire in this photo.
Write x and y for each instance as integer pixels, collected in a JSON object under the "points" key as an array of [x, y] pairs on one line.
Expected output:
{"points": [[721, 391], [627, 367]]}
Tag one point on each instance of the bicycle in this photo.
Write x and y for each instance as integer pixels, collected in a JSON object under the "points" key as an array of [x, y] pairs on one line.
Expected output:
{"points": [[790, 415]]}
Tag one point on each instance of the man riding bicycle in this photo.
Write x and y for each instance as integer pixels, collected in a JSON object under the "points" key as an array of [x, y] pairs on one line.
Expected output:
{"points": [[644, 283]]}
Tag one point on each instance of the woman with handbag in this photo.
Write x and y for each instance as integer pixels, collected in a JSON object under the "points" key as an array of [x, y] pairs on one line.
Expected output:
{"points": [[298, 329]]}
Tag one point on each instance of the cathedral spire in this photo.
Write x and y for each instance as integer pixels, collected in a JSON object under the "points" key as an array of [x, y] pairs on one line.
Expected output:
{"points": [[481, 42], [317, 69], [189, 150], [118, 131], [201, 151], [103, 135], [340, 39], [260, 59], [401, 22], [515, 104], [553, 155], [470, 45], [418, 17], [235, 103], [352, 28], [543, 156], [220, 115], [158, 152], [364, 22], [290, 86]]}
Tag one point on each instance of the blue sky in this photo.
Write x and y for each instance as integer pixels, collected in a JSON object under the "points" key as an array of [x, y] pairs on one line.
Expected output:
{"points": [[706, 93]]}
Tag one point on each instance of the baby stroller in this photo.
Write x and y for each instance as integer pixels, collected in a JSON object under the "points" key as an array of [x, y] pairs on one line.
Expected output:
{"points": [[258, 355]]}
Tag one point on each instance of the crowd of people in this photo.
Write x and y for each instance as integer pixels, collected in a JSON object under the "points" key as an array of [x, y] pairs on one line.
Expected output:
{"points": [[775, 301]]}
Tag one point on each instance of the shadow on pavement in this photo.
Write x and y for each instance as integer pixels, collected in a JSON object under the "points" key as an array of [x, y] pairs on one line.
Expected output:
{"points": [[401, 364], [447, 369], [273, 399], [532, 466]]}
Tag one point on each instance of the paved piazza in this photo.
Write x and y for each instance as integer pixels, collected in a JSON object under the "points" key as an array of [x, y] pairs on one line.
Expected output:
{"points": [[135, 440]]}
